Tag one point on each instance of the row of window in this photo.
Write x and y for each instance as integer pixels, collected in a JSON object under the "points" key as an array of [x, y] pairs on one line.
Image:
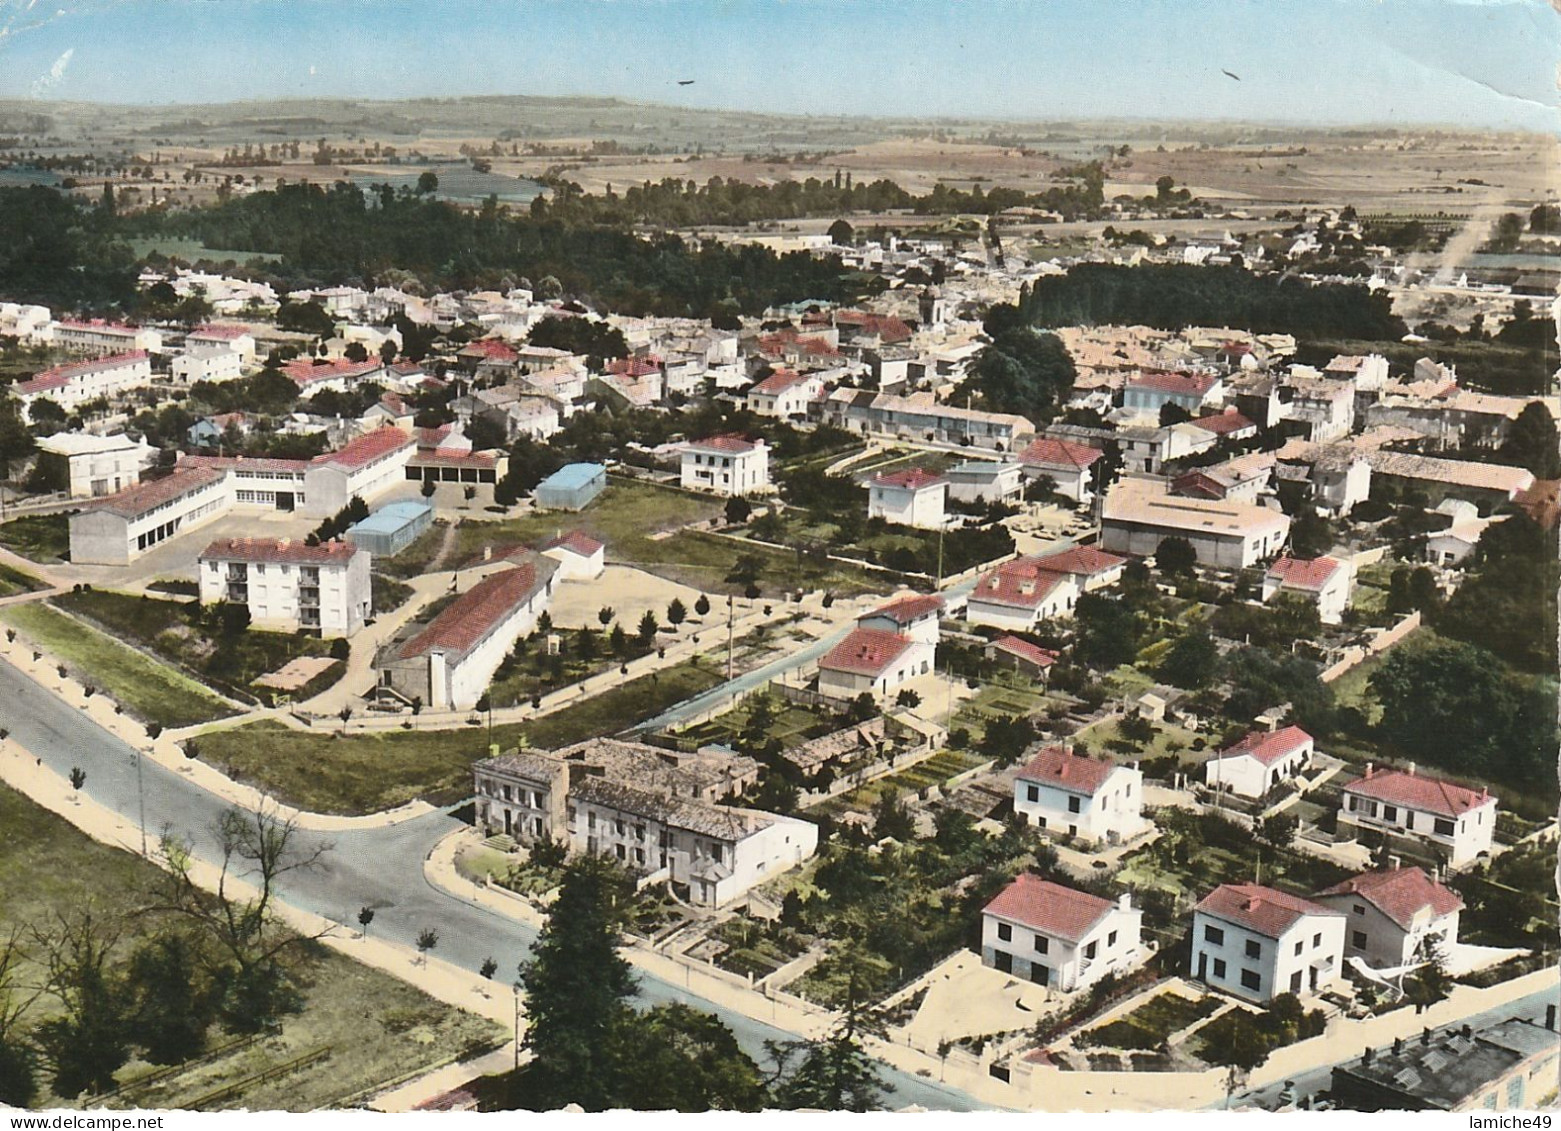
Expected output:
{"points": [[1042, 944], [1441, 825]]}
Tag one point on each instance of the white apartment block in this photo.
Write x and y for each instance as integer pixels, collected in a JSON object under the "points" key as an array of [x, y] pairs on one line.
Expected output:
{"points": [[71, 386], [1055, 936], [214, 363], [726, 465], [288, 585], [102, 338], [1257, 943]]}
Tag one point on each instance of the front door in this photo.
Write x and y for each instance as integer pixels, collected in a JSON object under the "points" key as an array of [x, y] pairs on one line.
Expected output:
{"points": [[284, 500], [1203, 967]]}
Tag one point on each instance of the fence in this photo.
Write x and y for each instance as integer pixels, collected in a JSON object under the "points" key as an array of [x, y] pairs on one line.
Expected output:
{"points": [[238, 1087]]}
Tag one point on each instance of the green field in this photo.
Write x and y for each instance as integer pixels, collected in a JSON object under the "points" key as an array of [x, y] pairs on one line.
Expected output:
{"points": [[634, 520], [150, 691], [14, 581], [190, 250], [38, 537], [376, 1027], [324, 771]]}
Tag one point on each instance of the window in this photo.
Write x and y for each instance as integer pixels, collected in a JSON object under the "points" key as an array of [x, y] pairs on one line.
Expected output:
{"points": [[1515, 1092], [1254, 949], [1213, 935], [1359, 909], [1295, 982], [1251, 980], [1005, 932], [622, 855], [1032, 793], [1039, 974], [1111, 939], [1358, 940], [1042, 944], [1003, 961], [1298, 948], [1390, 812], [1073, 804], [1443, 827], [1219, 967], [1089, 951], [1317, 939]]}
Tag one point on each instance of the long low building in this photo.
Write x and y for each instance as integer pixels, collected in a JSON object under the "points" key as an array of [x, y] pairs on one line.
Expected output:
{"points": [[646, 809], [117, 529], [71, 386], [448, 662], [1139, 514], [920, 417]]}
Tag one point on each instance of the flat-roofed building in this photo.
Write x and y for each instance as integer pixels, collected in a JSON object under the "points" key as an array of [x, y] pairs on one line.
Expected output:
{"points": [[1139, 514], [1506, 1066], [571, 487], [392, 528]]}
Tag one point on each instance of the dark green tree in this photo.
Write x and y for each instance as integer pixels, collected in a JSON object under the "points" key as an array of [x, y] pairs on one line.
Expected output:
{"points": [[173, 1000], [1532, 442], [1191, 662], [675, 1058], [1175, 557], [87, 1040], [835, 1073], [1107, 631]]}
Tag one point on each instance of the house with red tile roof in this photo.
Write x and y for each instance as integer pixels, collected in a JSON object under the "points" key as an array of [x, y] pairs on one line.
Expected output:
{"points": [[98, 337], [1022, 656], [875, 661], [1228, 425], [1260, 761], [72, 385], [784, 393], [237, 338], [312, 375], [1457, 821], [1258, 942], [1392, 913], [1079, 796], [1057, 936], [911, 497], [1067, 465], [915, 616], [579, 556], [289, 585], [447, 663], [1151, 390], [1090, 567], [725, 465], [1325, 582], [1020, 594]]}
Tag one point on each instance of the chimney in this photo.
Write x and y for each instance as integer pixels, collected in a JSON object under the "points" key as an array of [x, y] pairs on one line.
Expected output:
{"points": [[1398, 1045], [1396, 861], [1411, 770], [1467, 1030], [1425, 1035], [1125, 901], [1550, 1016], [1370, 766]]}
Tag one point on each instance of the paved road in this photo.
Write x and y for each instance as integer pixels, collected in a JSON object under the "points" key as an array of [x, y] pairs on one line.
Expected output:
{"points": [[382, 868], [1310, 1084]]}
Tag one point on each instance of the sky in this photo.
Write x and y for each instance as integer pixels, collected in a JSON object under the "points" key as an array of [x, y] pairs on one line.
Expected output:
{"points": [[1482, 63]]}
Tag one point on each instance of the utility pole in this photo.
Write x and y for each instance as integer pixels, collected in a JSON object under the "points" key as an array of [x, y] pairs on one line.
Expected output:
{"points": [[730, 630]]}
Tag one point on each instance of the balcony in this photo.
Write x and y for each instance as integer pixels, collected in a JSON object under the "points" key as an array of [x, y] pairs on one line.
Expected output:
{"points": [[238, 593], [309, 598]]}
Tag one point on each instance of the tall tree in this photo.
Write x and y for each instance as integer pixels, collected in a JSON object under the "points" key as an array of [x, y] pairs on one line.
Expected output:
{"points": [[1532, 442], [835, 1073], [88, 1039], [18, 1068], [174, 1000]]}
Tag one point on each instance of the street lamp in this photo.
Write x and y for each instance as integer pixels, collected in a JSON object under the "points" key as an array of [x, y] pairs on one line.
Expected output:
{"points": [[517, 988]]}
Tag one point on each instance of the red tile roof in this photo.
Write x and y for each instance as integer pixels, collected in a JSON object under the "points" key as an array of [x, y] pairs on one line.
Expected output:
{"points": [[1399, 893], [1066, 770], [728, 443], [135, 501], [886, 327], [1303, 573], [1269, 747], [1183, 384], [99, 324], [62, 375], [219, 331], [1022, 584], [778, 382], [1430, 795], [907, 609], [1034, 653], [472, 615], [306, 372], [865, 651], [576, 541], [634, 366], [428, 457], [1262, 910], [1224, 423], [493, 349], [910, 479], [1059, 453], [779, 342], [247, 463], [366, 448], [1080, 561], [1049, 908], [278, 550]]}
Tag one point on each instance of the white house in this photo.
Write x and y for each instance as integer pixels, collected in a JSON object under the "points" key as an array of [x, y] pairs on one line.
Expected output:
{"points": [[911, 497], [915, 616], [236, 338], [784, 393], [289, 585], [95, 466], [726, 465], [448, 662], [1020, 594], [653, 818], [985, 481], [71, 386], [214, 363], [1140, 513], [1064, 792], [101, 338], [1325, 582], [1260, 761], [1090, 568], [1391, 913], [1451, 547], [1056, 936], [874, 661], [1066, 464], [1455, 819], [579, 556], [1256, 942]]}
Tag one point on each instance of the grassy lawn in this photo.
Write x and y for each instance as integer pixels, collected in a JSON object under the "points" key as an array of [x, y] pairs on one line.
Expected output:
{"points": [[413, 561], [326, 772], [1003, 695], [643, 525], [38, 537], [528, 670], [1350, 689], [148, 690], [377, 1027], [1100, 735], [174, 631], [1150, 1024], [14, 581], [189, 250]]}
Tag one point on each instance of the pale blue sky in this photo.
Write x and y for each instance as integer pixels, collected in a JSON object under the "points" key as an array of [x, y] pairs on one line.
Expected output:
{"points": [[1475, 62]]}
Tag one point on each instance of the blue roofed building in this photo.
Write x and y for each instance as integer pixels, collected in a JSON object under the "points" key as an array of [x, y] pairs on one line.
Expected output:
{"points": [[571, 487], [392, 528]]}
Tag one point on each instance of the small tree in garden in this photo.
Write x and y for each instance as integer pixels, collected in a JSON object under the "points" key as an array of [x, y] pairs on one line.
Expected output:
{"points": [[62, 669], [10, 636], [488, 968], [605, 614], [365, 917], [344, 715], [702, 606], [154, 731], [752, 592], [907, 698], [192, 749], [677, 612], [648, 627]]}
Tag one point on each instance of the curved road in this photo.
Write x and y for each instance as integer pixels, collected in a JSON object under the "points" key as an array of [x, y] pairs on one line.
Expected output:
{"points": [[382, 867]]}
